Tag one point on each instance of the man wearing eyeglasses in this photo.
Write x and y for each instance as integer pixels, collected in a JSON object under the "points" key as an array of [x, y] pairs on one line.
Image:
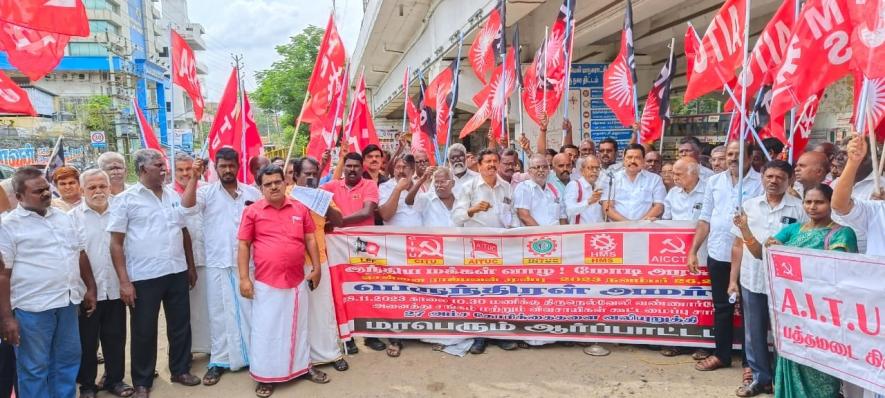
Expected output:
{"points": [[536, 200]]}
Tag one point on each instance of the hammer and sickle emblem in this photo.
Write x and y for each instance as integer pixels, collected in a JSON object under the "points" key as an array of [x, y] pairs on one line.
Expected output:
{"points": [[430, 249], [673, 247]]}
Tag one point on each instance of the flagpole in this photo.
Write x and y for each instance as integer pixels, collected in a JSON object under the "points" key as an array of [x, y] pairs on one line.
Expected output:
{"points": [[796, 10], [569, 49], [743, 106], [453, 92], [544, 72], [170, 131], [865, 117], [664, 120], [406, 98]]}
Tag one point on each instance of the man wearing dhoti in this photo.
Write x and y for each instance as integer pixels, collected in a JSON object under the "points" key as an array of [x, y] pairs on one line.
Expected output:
{"points": [[277, 233], [220, 206]]}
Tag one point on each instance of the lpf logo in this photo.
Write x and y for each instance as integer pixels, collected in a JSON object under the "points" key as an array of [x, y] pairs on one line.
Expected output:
{"points": [[365, 251], [424, 250], [669, 249], [542, 250], [604, 248], [787, 267], [483, 252]]}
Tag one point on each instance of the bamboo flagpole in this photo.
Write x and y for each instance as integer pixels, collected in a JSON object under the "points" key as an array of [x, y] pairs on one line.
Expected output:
{"points": [[297, 127], [744, 124], [793, 119], [406, 98]]}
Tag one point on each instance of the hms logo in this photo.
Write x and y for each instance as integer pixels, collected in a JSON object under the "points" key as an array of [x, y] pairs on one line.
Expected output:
{"points": [[604, 248]]}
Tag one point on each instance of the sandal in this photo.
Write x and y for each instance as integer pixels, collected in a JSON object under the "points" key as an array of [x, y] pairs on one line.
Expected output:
{"points": [[318, 376], [264, 390], [710, 363], [672, 351], [753, 389], [213, 375], [122, 389], [341, 365], [748, 376], [700, 355], [393, 350]]}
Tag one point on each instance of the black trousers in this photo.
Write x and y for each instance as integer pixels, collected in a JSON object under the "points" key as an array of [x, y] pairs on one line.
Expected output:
{"points": [[108, 325], [172, 292], [723, 311], [8, 375]]}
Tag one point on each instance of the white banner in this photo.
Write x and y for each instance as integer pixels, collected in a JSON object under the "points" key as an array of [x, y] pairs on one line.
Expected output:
{"points": [[826, 311]]}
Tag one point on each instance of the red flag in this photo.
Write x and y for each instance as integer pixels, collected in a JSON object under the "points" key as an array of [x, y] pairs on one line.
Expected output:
{"points": [[482, 51], [691, 49], [419, 125], [35, 53], [868, 36], [148, 138], [327, 77], [805, 122], [360, 130], [657, 104], [414, 117], [439, 98], [247, 144], [734, 126], [222, 132], [769, 51], [325, 132], [549, 60], [184, 73], [500, 87], [721, 51], [67, 17], [875, 101], [619, 79], [13, 99], [819, 53]]}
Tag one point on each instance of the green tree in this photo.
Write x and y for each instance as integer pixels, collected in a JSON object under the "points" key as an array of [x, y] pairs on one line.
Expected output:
{"points": [[703, 105], [97, 114], [282, 87]]}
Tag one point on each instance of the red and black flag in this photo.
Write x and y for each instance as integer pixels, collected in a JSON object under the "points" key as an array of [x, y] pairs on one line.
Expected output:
{"points": [[441, 96], [657, 104], [619, 87], [487, 44]]}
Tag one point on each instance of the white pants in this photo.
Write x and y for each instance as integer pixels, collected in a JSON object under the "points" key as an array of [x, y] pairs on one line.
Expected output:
{"points": [[200, 335], [323, 331]]}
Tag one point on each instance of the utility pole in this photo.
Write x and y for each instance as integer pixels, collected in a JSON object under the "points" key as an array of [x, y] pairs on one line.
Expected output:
{"points": [[117, 93]]}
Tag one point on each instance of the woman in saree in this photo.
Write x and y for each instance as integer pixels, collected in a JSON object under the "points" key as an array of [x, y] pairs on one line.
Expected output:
{"points": [[791, 379]]}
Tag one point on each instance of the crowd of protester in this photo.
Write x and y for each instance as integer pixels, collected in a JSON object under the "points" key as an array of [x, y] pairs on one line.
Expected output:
{"points": [[239, 269]]}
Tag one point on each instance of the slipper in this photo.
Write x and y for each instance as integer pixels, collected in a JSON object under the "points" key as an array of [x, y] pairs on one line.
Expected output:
{"points": [[700, 355], [393, 350], [748, 376], [121, 389], [318, 376], [213, 375], [672, 351], [597, 350], [710, 363], [753, 389], [341, 365], [264, 390]]}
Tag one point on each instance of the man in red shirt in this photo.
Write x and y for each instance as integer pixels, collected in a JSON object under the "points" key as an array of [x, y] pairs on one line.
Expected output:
{"points": [[277, 233], [355, 196]]}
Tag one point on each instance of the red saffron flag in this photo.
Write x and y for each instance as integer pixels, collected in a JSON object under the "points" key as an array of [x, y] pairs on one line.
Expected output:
{"points": [[721, 52], [13, 99], [67, 17], [805, 122], [148, 138], [326, 131], [868, 36], [247, 143], [498, 90], [222, 132], [326, 79], [482, 51], [33, 52], [619, 79], [819, 53], [184, 73], [769, 51], [440, 98], [549, 60], [691, 49], [360, 129]]}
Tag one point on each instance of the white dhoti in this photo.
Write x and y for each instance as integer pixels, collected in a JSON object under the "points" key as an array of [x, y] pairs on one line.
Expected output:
{"points": [[280, 348], [231, 316], [323, 331], [200, 334]]}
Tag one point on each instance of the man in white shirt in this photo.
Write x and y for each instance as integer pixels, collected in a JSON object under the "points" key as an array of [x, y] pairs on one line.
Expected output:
{"points": [[608, 155], [219, 206], [860, 214], [582, 195], [41, 285], [691, 147], [392, 194], [108, 322], [537, 203], [812, 168], [435, 206], [763, 217], [714, 228], [201, 340], [717, 159], [485, 201], [457, 158], [685, 200], [151, 251], [634, 194], [560, 174], [864, 189], [114, 164]]}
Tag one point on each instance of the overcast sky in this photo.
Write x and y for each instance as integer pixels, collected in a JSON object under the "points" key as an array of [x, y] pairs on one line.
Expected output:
{"points": [[254, 28]]}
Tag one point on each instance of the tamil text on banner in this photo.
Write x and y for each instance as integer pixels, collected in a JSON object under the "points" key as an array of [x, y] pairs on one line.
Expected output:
{"points": [[826, 312], [623, 282]]}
